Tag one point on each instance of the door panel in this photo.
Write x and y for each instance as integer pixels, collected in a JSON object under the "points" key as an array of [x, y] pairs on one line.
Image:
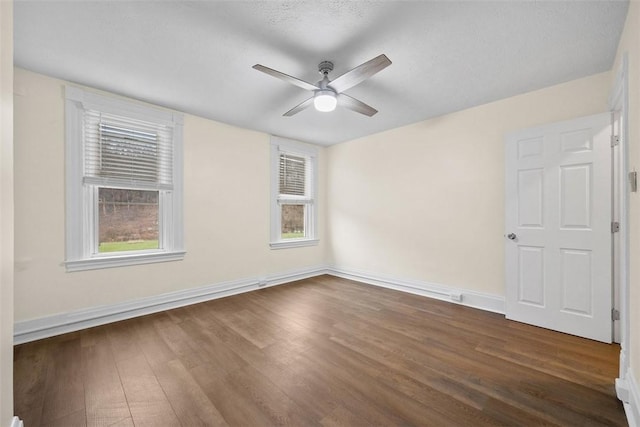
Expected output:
{"points": [[558, 207], [530, 198], [575, 195], [531, 277], [576, 281]]}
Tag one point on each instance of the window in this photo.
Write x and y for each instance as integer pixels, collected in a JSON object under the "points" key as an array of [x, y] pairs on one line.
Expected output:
{"points": [[124, 183], [293, 204]]}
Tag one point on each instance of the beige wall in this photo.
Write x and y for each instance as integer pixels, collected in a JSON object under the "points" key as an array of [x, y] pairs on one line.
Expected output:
{"points": [[226, 206], [426, 201], [630, 44], [6, 212], [415, 202]]}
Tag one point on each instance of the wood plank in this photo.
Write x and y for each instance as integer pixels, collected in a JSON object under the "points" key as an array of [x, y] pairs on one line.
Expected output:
{"points": [[213, 350], [249, 326], [181, 344], [339, 363], [124, 423], [30, 373], [75, 419], [483, 375], [190, 403], [234, 406], [149, 341], [64, 388], [105, 401], [552, 365], [147, 401]]}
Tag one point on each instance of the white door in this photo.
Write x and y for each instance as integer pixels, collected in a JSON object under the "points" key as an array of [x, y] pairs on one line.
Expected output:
{"points": [[558, 226]]}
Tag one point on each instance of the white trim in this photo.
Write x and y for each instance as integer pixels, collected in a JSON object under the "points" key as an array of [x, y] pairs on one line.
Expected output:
{"points": [[483, 301], [123, 260], [629, 393], [293, 146], [16, 422], [74, 221], [619, 99], [118, 106], [292, 276], [44, 327], [632, 408], [310, 151], [293, 243], [81, 218]]}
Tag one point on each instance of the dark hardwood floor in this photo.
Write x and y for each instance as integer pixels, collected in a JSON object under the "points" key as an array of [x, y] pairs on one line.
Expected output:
{"points": [[322, 351]]}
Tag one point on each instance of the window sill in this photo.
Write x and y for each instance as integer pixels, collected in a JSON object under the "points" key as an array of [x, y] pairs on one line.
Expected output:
{"points": [[122, 260], [284, 244]]}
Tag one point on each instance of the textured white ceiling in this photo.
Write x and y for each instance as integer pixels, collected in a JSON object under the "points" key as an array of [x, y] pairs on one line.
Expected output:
{"points": [[196, 57]]}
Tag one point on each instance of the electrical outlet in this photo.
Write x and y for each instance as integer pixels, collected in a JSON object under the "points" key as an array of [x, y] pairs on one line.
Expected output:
{"points": [[456, 296]]}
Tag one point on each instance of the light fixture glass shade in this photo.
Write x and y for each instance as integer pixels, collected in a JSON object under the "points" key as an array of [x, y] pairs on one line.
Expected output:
{"points": [[325, 100]]}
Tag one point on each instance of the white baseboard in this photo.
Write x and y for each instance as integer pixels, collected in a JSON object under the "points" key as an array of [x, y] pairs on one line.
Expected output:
{"points": [[629, 393], [44, 327], [16, 422], [483, 301]]}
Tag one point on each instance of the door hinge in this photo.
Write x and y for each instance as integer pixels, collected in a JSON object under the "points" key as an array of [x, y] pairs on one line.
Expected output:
{"points": [[615, 314], [615, 226], [615, 140]]}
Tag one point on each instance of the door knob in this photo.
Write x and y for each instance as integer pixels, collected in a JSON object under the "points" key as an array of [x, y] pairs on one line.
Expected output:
{"points": [[511, 236]]}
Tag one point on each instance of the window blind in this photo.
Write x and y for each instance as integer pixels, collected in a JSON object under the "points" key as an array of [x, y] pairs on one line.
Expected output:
{"points": [[122, 151], [293, 175]]}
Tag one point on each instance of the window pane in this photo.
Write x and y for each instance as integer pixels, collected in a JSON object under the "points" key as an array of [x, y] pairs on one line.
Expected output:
{"points": [[128, 220], [293, 221]]}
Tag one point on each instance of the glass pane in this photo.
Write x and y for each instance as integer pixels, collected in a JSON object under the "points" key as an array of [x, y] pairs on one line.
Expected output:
{"points": [[128, 220], [293, 221]]}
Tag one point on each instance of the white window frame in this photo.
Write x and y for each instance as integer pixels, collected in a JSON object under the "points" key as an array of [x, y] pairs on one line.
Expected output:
{"points": [[282, 145], [81, 199]]}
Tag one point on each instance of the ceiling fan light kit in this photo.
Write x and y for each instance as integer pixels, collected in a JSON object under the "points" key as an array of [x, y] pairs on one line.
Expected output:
{"points": [[325, 100], [327, 94]]}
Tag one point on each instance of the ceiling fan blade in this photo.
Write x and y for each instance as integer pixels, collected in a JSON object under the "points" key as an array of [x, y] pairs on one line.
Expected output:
{"points": [[360, 73], [346, 101], [303, 105], [285, 77]]}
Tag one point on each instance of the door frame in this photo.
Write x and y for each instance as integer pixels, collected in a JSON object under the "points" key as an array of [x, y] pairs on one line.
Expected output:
{"points": [[619, 101]]}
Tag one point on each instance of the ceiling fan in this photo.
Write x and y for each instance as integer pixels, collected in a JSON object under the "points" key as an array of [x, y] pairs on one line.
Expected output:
{"points": [[329, 93]]}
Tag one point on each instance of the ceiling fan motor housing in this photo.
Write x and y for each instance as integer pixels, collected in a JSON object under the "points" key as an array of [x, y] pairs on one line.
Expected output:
{"points": [[325, 67]]}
